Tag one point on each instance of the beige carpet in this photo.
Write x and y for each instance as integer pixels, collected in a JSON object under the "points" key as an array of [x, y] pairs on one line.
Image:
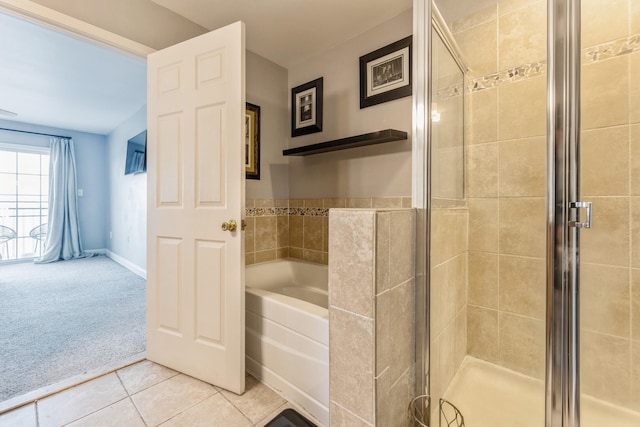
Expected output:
{"points": [[66, 318]]}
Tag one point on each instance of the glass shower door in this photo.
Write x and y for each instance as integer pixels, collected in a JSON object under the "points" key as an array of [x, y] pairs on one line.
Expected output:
{"points": [[610, 180]]}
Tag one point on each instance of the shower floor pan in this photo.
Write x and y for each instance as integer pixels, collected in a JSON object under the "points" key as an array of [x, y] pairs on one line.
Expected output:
{"points": [[492, 396]]}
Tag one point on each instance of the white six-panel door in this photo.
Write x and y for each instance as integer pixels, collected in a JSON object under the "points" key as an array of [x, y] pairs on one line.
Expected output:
{"points": [[195, 270]]}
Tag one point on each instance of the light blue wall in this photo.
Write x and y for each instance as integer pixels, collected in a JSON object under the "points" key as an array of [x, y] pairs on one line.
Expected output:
{"points": [[128, 197], [91, 171]]}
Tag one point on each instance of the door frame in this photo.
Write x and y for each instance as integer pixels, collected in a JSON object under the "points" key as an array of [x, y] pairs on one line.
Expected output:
{"points": [[44, 16], [58, 21]]}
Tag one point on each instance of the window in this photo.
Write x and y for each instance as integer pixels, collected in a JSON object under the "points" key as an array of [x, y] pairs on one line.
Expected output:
{"points": [[24, 200]]}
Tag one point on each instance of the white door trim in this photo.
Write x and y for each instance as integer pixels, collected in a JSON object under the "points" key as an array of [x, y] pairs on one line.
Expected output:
{"points": [[47, 17]]}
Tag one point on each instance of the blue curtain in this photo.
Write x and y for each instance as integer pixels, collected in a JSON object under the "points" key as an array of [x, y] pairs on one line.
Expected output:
{"points": [[63, 235]]}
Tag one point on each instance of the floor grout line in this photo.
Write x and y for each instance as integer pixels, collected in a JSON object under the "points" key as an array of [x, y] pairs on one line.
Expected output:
{"points": [[235, 407], [126, 390], [232, 404], [155, 384], [129, 396], [268, 417], [138, 412]]}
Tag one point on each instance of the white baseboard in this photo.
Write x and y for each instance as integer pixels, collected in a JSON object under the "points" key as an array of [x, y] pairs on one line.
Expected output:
{"points": [[126, 264], [96, 251]]}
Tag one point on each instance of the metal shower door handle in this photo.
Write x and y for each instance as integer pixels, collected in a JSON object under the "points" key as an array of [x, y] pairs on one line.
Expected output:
{"points": [[587, 222]]}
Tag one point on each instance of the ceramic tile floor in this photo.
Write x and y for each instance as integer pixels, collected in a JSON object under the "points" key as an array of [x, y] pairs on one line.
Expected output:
{"points": [[148, 394]]}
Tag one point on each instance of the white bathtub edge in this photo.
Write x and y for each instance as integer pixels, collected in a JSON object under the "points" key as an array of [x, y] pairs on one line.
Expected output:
{"points": [[317, 410], [290, 312]]}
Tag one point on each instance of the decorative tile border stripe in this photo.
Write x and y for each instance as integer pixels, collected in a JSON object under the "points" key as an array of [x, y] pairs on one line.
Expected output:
{"points": [[261, 211], [509, 76], [449, 92], [254, 212], [612, 49], [590, 55], [308, 212]]}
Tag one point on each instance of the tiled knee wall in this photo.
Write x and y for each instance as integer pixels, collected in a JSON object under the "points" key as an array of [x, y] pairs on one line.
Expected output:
{"points": [[371, 316], [299, 228]]}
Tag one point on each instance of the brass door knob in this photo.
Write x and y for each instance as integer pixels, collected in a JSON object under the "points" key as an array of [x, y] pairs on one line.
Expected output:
{"points": [[230, 225]]}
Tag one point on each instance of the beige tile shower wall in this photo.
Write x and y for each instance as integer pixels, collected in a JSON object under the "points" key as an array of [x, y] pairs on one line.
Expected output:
{"points": [[298, 228], [506, 190], [371, 316], [448, 296], [505, 173]]}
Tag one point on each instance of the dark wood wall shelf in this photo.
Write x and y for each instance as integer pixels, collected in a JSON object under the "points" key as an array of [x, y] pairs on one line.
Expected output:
{"points": [[387, 135]]}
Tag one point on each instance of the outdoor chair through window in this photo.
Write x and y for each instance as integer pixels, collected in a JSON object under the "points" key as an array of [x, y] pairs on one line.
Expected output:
{"points": [[39, 234], [6, 234]]}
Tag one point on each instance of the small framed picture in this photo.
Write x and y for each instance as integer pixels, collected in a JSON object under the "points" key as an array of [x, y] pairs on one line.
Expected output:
{"points": [[252, 141], [385, 74], [306, 108]]}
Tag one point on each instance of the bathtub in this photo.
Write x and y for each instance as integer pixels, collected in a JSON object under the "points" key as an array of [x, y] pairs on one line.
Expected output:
{"points": [[287, 331]]}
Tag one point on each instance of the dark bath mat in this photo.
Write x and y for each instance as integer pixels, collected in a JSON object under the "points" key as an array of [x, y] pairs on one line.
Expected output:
{"points": [[290, 418]]}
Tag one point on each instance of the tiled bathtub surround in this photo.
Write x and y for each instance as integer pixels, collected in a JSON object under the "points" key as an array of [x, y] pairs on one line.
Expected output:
{"points": [[267, 232], [506, 191], [299, 228], [309, 230], [371, 316]]}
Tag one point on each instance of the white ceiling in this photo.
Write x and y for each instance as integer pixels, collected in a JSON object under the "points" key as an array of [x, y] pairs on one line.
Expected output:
{"points": [[290, 31], [53, 79]]}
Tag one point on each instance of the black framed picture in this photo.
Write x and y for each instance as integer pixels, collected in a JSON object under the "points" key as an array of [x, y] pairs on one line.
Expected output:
{"points": [[385, 74], [306, 108], [252, 141]]}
